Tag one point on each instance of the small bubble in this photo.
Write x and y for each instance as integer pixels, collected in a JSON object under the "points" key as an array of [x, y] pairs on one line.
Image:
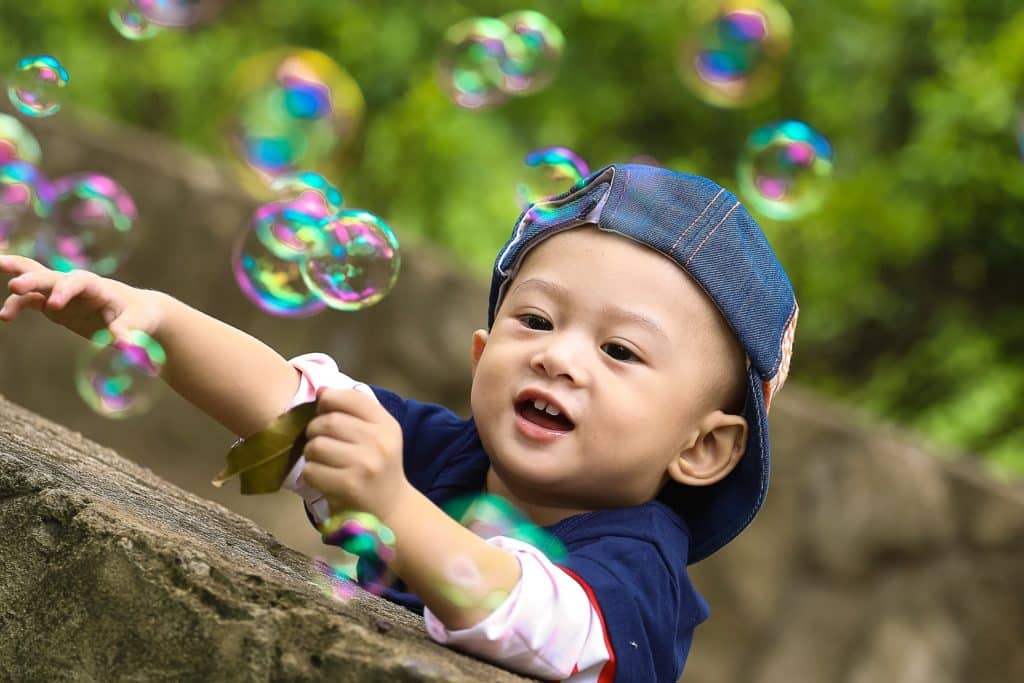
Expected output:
{"points": [[91, 226], [37, 85], [360, 264], [131, 23], [784, 169], [273, 284], [120, 378], [26, 202], [550, 171], [735, 56]]}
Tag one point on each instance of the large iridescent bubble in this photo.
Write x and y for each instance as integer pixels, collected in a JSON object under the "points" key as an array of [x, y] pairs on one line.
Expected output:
{"points": [[292, 109], [274, 284], [784, 169], [129, 21], [549, 171], [16, 142], [26, 202], [484, 60], [120, 378], [36, 86], [359, 266], [735, 57], [91, 226]]}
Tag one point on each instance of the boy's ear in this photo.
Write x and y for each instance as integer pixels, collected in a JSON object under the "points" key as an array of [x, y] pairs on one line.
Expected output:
{"points": [[715, 452], [479, 342]]}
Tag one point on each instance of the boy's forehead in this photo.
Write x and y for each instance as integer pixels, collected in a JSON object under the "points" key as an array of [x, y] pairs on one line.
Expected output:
{"points": [[562, 254]]}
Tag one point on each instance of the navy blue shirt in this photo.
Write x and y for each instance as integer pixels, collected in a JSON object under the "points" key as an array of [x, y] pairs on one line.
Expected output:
{"points": [[633, 559]]}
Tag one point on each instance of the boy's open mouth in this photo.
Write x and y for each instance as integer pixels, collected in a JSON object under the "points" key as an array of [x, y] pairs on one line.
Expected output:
{"points": [[540, 413]]}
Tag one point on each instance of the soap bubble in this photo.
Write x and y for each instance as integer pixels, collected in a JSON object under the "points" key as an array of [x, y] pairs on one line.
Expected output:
{"points": [[365, 536], [735, 58], [463, 585], [120, 378], [275, 285], [91, 225], [179, 13], [471, 62], [292, 109], [290, 227], [488, 515], [36, 85], [26, 201], [484, 60], [359, 266], [131, 23], [784, 169], [16, 142], [550, 171], [542, 45]]}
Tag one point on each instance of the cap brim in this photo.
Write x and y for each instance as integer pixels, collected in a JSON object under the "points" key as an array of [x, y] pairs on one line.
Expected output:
{"points": [[717, 513]]}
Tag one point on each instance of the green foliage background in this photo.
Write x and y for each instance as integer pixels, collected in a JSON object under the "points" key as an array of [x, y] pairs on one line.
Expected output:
{"points": [[909, 278]]}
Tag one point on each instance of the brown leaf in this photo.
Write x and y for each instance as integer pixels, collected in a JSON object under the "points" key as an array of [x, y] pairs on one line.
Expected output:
{"points": [[262, 460]]}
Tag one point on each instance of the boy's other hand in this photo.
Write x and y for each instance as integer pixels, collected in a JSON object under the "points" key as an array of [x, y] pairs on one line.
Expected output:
{"points": [[354, 453], [80, 300]]}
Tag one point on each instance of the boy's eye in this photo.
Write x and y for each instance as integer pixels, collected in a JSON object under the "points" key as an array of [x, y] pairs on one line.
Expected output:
{"points": [[619, 352], [535, 322]]}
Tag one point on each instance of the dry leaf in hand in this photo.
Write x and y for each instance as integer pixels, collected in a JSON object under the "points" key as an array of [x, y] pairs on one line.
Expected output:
{"points": [[262, 460]]}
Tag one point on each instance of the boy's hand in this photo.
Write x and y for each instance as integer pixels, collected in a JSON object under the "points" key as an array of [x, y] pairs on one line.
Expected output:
{"points": [[80, 300], [354, 453]]}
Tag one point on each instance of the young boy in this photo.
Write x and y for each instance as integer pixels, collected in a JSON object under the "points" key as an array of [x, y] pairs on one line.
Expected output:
{"points": [[639, 326]]}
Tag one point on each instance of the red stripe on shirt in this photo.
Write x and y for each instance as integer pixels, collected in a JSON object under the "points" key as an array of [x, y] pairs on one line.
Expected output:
{"points": [[607, 674]]}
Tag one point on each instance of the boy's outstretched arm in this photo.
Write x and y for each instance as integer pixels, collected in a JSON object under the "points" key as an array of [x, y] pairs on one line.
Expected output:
{"points": [[233, 377]]}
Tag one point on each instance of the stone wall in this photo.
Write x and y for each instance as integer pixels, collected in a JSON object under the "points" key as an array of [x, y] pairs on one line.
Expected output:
{"points": [[872, 560]]}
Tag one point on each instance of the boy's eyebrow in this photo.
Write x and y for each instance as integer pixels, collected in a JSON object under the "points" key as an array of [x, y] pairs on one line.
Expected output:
{"points": [[559, 292]]}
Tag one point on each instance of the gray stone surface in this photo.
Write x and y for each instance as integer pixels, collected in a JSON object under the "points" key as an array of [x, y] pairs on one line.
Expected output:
{"points": [[109, 573]]}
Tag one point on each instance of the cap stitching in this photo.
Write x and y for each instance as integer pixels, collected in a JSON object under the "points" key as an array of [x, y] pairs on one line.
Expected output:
{"points": [[695, 220], [712, 231]]}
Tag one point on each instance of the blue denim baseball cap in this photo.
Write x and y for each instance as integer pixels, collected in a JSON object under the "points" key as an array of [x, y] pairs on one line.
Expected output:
{"points": [[703, 228]]}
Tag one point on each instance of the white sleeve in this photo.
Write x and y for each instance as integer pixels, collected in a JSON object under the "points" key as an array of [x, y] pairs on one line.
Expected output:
{"points": [[547, 627], [316, 370]]}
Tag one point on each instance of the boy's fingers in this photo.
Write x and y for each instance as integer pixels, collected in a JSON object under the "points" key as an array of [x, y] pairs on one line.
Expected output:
{"points": [[336, 425], [68, 287], [348, 401], [12, 263], [32, 281], [19, 302]]}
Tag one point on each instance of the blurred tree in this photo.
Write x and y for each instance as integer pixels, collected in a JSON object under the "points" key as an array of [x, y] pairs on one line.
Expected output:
{"points": [[908, 277]]}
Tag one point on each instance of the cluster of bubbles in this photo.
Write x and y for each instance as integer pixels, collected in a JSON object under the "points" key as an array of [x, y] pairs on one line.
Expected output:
{"points": [[290, 109], [119, 377], [784, 169], [485, 60], [735, 56], [302, 252], [550, 171], [80, 221], [36, 85], [363, 535], [143, 19]]}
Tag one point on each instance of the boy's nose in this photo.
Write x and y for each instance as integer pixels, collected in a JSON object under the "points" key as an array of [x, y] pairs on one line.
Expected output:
{"points": [[561, 358]]}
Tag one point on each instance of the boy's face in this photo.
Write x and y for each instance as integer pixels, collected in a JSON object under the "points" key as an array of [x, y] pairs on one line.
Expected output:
{"points": [[623, 342]]}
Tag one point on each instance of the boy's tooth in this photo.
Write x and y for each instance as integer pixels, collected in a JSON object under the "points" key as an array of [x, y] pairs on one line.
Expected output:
{"points": [[539, 404], [551, 410]]}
